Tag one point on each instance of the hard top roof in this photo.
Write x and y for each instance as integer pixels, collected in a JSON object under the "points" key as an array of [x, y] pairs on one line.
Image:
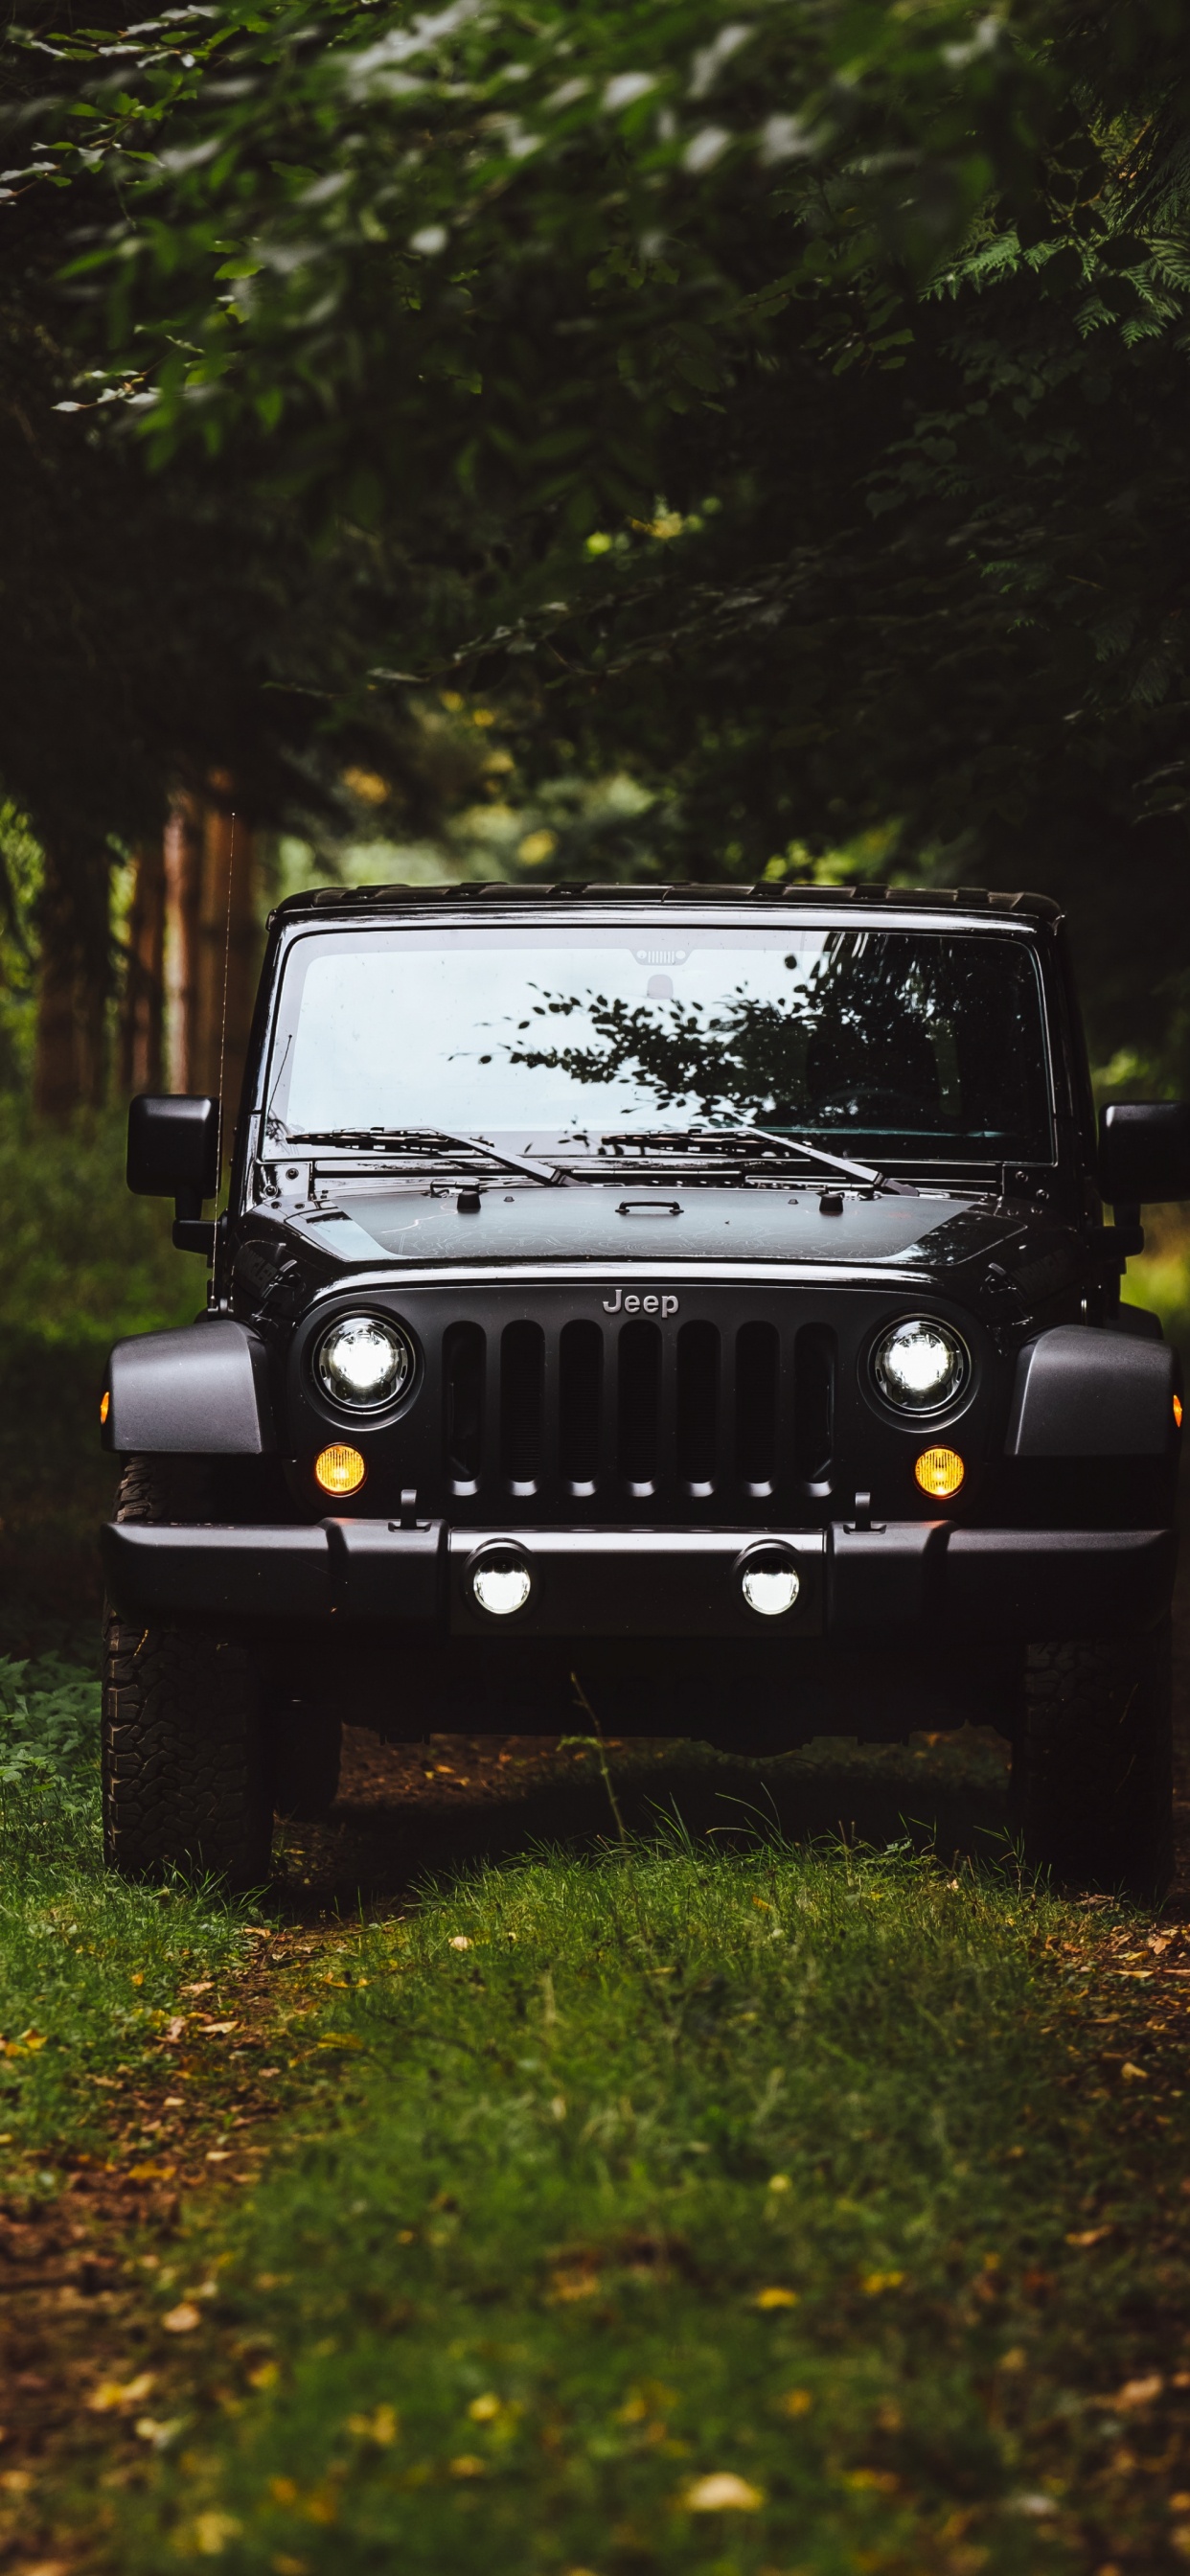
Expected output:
{"points": [[569, 897]]}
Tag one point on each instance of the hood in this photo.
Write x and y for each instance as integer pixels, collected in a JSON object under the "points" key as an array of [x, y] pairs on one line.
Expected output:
{"points": [[940, 1235]]}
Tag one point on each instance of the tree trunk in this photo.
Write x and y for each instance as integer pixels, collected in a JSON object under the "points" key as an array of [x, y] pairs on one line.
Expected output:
{"points": [[227, 950], [70, 1056], [142, 1020], [183, 854]]}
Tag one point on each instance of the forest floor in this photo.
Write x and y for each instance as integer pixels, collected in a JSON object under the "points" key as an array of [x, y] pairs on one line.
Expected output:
{"points": [[758, 2193]]}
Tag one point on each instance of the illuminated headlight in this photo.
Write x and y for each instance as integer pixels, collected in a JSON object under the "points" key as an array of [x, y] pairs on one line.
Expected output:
{"points": [[921, 1365], [363, 1361], [501, 1581], [770, 1582]]}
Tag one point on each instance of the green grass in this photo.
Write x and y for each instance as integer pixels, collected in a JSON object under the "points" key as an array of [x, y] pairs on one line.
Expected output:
{"points": [[89, 1967], [614, 2177]]}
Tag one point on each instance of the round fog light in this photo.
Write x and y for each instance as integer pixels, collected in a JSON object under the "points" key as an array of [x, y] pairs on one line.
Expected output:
{"points": [[501, 1583], [939, 1472], [770, 1584], [339, 1469]]}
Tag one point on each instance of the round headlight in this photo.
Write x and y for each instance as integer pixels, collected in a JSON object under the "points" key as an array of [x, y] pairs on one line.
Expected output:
{"points": [[363, 1361], [921, 1365]]}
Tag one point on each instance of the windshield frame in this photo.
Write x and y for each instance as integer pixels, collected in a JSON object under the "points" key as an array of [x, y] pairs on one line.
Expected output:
{"points": [[511, 909]]}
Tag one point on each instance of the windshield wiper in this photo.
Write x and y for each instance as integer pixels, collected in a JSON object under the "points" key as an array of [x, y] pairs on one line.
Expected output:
{"points": [[773, 1143], [431, 1140]]}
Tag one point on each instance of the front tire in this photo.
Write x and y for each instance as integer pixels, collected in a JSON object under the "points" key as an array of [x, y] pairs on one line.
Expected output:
{"points": [[1092, 1771], [183, 1753]]}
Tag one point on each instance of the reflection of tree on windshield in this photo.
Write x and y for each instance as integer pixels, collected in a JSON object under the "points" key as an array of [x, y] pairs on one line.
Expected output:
{"points": [[735, 1056], [881, 1033]]}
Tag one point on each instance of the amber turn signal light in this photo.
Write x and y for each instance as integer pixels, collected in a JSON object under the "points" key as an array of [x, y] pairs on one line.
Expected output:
{"points": [[105, 1404], [940, 1473], [340, 1469], [1177, 1412]]}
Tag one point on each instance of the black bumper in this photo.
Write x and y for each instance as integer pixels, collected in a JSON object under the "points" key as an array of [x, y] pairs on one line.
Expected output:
{"points": [[910, 1580]]}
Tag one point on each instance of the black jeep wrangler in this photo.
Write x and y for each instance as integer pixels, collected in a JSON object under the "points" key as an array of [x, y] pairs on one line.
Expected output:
{"points": [[704, 1294]]}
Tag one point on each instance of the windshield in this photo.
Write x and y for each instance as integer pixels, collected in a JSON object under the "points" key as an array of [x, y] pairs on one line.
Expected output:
{"points": [[899, 1043]]}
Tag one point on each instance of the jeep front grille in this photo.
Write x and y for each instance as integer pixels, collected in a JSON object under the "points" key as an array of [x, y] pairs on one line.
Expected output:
{"points": [[631, 1415]]}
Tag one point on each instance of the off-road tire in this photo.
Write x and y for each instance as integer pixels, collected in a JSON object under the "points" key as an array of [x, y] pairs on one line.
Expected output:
{"points": [[1092, 1772], [305, 1746], [183, 1753]]}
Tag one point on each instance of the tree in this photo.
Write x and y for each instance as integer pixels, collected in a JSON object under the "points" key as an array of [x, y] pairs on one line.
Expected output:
{"points": [[903, 296]]}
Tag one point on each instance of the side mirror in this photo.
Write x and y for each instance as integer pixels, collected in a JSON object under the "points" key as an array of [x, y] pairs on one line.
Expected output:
{"points": [[1144, 1151], [173, 1152]]}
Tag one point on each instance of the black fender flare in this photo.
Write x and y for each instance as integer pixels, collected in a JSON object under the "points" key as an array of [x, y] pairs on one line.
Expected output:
{"points": [[201, 1389], [1086, 1391]]}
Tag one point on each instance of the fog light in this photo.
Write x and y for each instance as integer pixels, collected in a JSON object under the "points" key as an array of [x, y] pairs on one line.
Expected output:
{"points": [[940, 1473], [340, 1470], [770, 1584], [501, 1582], [105, 1405]]}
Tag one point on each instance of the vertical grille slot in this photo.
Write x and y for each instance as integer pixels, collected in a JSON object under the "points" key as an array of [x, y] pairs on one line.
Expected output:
{"points": [[814, 1403], [580, 1396], [639, 1407], [462, 1398], [757, 1357], [522, 1376], [698, 1404]]}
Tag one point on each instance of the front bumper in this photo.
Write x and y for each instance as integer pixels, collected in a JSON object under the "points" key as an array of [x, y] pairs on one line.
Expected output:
{"points": [[908, 1580]]}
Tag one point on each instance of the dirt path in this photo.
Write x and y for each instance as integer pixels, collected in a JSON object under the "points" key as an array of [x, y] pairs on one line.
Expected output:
{"points": [[73, 2269]]}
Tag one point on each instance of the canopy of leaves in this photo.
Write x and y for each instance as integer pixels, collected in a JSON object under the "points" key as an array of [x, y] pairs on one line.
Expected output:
{"points": [[789, 408]]}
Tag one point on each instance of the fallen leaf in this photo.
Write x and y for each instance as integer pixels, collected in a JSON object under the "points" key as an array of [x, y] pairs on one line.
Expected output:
{"points": [[202, 1986], [183, 2319], [1090, 2235], [113, 2393], [1133, 2074], [175, 2027], [776, 2298], [484, 2410], [148, 2429], [722, 2492], [219, 2155], [381, 2427], [575, 2285], [151, 2173], [217, 2029], [459, 1941], [212, 2531], [1140, 2392], [875, 2282]]}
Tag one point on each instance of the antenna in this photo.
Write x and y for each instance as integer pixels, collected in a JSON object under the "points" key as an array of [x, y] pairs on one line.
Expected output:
{"points": [[231, 861]]}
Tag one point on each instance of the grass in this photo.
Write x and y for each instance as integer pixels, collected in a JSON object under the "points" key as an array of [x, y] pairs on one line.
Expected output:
{"points": [[735, 2212], [89, 1967]]}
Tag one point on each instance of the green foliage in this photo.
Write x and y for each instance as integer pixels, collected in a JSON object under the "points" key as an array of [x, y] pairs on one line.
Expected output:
{"points": [[89, 1967], [617, 2176], [49, 1727], [84, 1261]]}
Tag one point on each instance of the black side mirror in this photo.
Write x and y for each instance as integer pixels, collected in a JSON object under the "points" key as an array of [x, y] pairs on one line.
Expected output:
{"points": [[173, 1153], [1144, 1151]]}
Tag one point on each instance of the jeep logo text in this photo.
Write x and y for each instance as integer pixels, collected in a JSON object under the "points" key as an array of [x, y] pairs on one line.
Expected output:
{"points": [[633, 1305]]}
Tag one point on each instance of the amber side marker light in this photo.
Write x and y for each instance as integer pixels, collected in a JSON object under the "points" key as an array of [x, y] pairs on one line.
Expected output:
{"points": [[340, 1470], [940, 1473], [105, 1405], [1177, 1412]]}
